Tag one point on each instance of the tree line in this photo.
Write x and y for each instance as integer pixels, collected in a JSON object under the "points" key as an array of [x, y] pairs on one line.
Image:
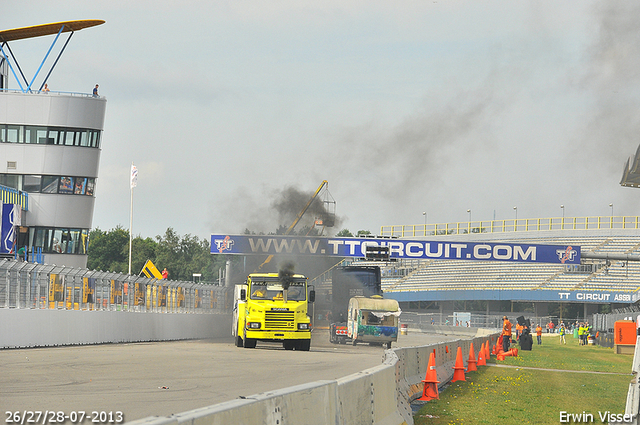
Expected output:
{"points": [[181, 256]]}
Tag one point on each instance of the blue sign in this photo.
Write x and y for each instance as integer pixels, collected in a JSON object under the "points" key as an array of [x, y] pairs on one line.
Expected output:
{"points": [[578, 296], [10, 214], [398, 248]]}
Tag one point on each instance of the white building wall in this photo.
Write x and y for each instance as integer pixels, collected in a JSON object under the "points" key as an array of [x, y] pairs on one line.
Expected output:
{"points": [[77, 111], [52, 109]]}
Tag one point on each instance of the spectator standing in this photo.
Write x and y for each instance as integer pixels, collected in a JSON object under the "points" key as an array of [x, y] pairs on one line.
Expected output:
{"points": [[581, 334], [539, 334], [506, 334], [562, 332], [95, 91]]}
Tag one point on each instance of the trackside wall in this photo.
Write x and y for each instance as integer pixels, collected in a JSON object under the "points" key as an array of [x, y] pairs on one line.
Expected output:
{"points": [[41, 328], [380, 395]]}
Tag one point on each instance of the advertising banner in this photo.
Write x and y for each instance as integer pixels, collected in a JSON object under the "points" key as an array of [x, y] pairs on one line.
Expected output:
{"points": [[578, 296], [116, 292], [398, 248], [140, 294], [88, 289], [11, 215]]}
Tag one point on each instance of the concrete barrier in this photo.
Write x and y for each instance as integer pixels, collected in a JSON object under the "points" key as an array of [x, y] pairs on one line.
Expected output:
{"points": [[381, 395], [632, 407], [42, 328]]}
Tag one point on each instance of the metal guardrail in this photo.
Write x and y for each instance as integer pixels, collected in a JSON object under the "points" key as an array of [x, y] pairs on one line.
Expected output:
{"points": [[478, 320], [49, 93], [44, 286], [512, 225]]}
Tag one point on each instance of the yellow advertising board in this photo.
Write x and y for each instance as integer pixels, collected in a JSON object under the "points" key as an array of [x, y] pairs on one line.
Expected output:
{"points": [[56, 289]]}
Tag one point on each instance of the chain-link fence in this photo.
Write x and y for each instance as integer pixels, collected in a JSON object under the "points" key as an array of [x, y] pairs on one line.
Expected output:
{"points": [[42, 286]]}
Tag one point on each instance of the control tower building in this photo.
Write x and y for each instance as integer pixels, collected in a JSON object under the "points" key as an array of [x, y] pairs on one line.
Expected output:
{"points": [[50, 143]]}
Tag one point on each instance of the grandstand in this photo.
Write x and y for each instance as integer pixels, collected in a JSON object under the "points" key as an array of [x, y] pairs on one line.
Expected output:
{"points": [[593, 282]]}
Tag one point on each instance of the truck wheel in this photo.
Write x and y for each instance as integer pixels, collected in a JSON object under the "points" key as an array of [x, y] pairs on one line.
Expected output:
{"points": [[303, 345], [249, 342], [239, 342], [389, 345], [288, 345]]}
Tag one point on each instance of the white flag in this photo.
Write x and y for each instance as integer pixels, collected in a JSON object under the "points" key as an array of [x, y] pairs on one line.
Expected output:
{"points": [[134, 176]]}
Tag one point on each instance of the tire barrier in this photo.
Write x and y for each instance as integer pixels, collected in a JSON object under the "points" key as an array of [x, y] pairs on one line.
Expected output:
{"points": [[381, 395]]}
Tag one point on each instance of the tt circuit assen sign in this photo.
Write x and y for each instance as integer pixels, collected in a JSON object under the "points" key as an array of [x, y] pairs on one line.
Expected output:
{"points": [[398, 248]]}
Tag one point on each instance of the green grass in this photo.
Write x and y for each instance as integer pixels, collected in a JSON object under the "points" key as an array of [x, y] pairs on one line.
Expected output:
{"points": [[518, 395]]}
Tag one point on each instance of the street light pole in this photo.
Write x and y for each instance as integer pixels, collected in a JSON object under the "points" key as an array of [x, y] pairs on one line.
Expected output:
{"points": [[515, 224], [611, 205], [562, 208], [424, 213]]}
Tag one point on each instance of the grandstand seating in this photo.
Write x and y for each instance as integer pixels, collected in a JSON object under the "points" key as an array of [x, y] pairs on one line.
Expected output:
{"points": [[616, 276]]}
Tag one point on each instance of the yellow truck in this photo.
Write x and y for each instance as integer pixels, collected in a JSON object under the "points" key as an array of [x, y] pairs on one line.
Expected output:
{"points": [[273, 307]]}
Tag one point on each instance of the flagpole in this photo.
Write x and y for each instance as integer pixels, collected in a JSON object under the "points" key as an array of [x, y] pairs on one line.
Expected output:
{"points": [[130, 228], [134, 182]]}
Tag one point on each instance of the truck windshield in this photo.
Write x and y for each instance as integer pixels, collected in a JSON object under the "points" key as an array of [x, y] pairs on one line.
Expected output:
{"points": [[274, 291]]}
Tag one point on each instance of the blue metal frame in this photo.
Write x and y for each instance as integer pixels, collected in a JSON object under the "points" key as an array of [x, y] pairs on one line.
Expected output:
{"points": [[10, 67], [30, 84], [17, 64], [56, 61], [45, 58]]}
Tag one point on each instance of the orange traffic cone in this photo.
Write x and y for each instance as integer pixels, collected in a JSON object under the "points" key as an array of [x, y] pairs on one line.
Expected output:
{"points": [[458, 374], [487, 351], [430, 390], [481, 356], [471, 363], [511, 353]]}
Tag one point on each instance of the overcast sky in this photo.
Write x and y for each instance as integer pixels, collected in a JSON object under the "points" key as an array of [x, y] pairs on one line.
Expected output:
{"points": [[404, 107]]}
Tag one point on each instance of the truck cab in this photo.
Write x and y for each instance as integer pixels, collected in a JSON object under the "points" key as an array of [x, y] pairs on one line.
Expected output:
{"points": [[269, 307]]}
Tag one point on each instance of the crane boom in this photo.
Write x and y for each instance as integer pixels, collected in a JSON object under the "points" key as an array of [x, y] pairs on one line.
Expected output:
{"points": [[306, 207], [297, 219]]}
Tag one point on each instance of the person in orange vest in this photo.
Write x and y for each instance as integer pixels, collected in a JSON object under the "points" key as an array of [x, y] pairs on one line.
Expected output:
{"points": [[539, 333], [506, 334], [519, 329]]}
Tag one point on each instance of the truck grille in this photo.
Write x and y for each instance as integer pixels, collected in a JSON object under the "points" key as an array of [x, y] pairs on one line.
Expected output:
{"points": [[278, 320]]}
